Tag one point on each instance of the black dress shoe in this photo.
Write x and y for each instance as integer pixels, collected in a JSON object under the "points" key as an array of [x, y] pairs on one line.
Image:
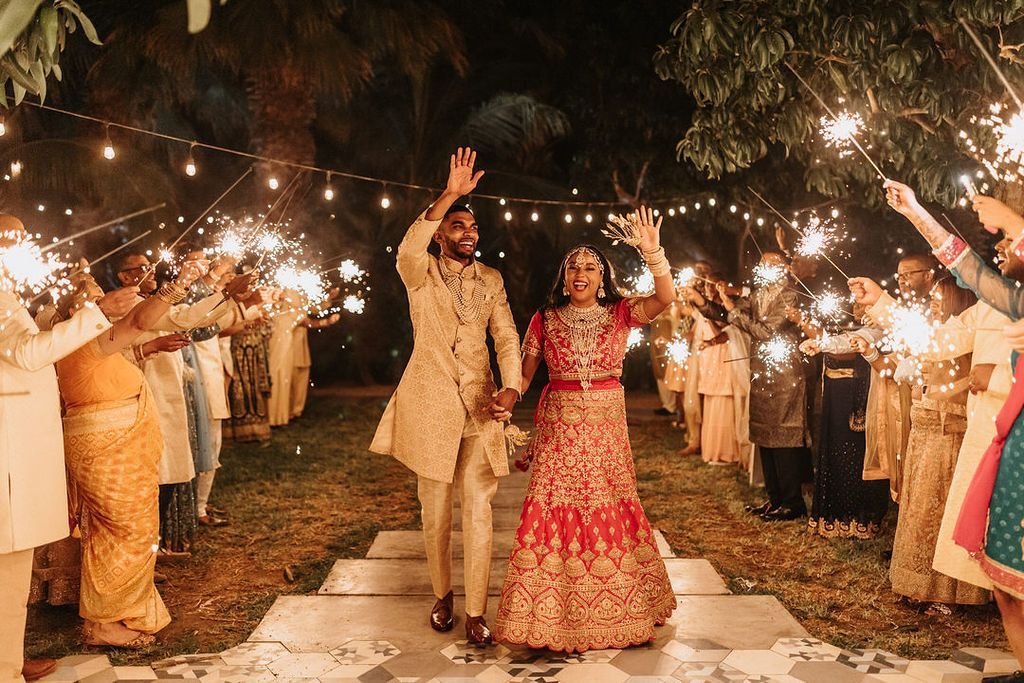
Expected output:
{"points": [[782, 514], [664, 412], [442, 617], [477, 631], [758, 509]]}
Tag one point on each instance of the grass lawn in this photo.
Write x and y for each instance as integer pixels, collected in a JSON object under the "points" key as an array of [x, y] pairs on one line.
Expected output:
{"points": [[315, 494]]}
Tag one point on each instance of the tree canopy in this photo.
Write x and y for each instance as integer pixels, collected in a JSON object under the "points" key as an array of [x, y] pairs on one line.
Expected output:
{"points": [[908, 68]]}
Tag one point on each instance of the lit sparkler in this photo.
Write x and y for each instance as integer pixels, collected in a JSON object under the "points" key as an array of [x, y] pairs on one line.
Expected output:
{"points": [[768, 274], [1005, 161], [24, 266], [303, 280], [840, 130], [354, 304], [641, 284], [776, 353], [635, 339], [828, 305], [678, 351], [815, 237], [685, 277], [349, 271], [911, 332]]}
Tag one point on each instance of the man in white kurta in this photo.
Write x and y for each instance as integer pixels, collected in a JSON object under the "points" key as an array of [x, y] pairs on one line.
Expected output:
{"points": [[442, 420], [33, 487]]}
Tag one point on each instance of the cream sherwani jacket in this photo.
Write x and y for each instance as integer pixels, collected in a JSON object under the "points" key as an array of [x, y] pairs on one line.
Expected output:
{"points": [[165, 376], [449, 374], [33, 486]]}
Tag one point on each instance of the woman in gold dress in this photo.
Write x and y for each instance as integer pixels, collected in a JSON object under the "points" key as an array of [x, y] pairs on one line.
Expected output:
{"points": [[112, 449]]}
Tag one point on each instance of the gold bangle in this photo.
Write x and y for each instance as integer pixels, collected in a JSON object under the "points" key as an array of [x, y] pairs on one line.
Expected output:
{"points": [[170, 293]]}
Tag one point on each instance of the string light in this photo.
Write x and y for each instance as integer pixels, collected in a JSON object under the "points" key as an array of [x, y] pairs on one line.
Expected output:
{"points": [[712, 201], [534, 216], [328, 190], [16, 167], [589, 218], [502, 201], [272, 183], [190, 165], [508, 215], [568, 218], [108, 147], [3, 125], [672, 211], [385, 202]]}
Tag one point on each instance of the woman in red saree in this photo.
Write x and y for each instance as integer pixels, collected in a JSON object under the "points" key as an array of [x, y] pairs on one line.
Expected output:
{"points": [[585, 572]]}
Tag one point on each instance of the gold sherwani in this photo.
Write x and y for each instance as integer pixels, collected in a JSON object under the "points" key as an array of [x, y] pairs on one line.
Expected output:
{"points": [[449, 373]]}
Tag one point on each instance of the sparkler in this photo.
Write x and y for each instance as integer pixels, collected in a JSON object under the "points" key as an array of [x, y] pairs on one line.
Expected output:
{"points": [[776, 353], [115, 221], [911, 332], [24, 266], [1006, 161], [768, 274], [839, 123], [354, 304], [840, 131], [635, 339], [991, 62], [829, 305], [685, 277], [815, 237], [641, 284], [678, 351]]}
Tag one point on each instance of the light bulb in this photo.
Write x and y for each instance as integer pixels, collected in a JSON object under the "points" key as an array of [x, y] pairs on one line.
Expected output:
{"points": [[568, 218], [672, 211], [732, 208], [190, 167], [3, 127], [589, 218], [696, 206], [712, 201], [385, 202], [502, 201], [272, 183], [508, 215], [328, 193], [575, 191], [534, 216], [108, 151]]}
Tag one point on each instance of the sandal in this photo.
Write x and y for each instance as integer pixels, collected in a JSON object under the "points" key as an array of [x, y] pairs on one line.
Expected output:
{"points": [[139, 642], [939, 609]]}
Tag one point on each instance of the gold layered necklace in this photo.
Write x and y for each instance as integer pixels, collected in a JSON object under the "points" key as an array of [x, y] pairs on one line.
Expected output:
{"points": [[584, 325], [468, 311]]}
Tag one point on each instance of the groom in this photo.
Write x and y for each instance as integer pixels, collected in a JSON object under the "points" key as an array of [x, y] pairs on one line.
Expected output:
{"points": [[442, 421]]}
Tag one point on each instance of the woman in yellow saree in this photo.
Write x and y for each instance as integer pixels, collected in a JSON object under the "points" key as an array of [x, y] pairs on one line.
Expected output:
{"points": [[112, 447]]}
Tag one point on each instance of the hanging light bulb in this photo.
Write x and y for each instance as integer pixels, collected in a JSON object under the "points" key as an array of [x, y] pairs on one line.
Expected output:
{"points": [[568, 218], [534, 216], [508, 215], [328, 190], [732, 208], [696, 206], [502, 201], [272, 183], [575, 191], [671, 211], [385, 202], [712, 201], [108, 147], [190, 165], [3, 125], [15, 168], [589, 217]]}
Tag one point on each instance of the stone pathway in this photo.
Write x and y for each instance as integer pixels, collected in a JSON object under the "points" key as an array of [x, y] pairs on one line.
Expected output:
{"points": [[368, 623]]}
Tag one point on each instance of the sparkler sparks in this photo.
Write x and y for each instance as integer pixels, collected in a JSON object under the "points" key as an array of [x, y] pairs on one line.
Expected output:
{"points": [[685, 277], [349, 271], [776, 353], [635, 339], [23, 265], [839, 131], [1005, 161], [303, 280], [642, 283], [768, 274], [354, 304], [912, 332], [829, 306], [678, 351], [815, 237]]}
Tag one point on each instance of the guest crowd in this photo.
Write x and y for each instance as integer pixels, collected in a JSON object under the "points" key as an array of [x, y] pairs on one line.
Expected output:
{"points": [[146, 378]]}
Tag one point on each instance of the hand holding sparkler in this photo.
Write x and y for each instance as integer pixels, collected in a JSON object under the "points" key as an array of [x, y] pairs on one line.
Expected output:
{"points": [[238, 287], [118, 303], [691, 295], [859, 344], [902, 198], [168, 343], [809, 347], [866, 291], [722, 287], [995, 216], [981, 374]]}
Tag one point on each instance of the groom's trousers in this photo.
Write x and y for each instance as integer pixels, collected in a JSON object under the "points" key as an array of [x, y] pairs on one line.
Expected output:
{"points": [[476, 484]]}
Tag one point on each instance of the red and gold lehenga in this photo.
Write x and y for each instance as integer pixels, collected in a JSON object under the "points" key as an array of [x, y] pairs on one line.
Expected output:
{"points": [[585, 572]]}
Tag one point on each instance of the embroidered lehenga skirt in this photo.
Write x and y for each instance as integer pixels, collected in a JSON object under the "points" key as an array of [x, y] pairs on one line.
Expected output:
{"points": [[585, 572]]}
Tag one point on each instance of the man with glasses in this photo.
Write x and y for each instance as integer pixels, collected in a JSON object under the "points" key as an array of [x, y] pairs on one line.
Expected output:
{"points": [[915, 276]]}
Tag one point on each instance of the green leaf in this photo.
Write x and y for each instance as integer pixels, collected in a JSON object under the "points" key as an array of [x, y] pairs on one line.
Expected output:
{"points": [[18, 75], [74, 10], [36, 71], [15, 16], [48, 22]]}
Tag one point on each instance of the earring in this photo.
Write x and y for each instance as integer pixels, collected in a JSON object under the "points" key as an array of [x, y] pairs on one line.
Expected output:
{"points": [[600, 292], [565, 291]]}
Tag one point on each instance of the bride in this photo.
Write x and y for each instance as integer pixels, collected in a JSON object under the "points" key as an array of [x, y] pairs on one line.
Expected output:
{"points": [[585, 572]]}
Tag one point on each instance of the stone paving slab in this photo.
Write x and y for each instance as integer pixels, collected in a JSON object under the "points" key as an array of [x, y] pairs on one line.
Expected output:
{"points": [[408, 545], [320, 623], [411, 577]]}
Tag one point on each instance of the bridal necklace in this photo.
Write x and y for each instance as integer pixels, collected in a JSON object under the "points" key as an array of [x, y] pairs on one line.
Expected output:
{"points": [[468, 311], [584, 325]]}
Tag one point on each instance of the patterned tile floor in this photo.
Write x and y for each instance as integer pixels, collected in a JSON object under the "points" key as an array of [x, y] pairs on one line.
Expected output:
{"points": [[371, 628]]}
